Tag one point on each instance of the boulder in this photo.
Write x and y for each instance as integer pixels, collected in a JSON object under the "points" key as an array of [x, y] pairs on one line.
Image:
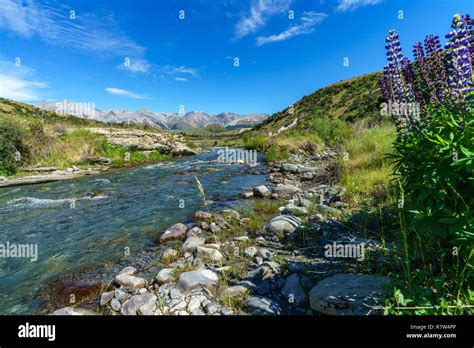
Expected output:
{"points": [[261, 191], [260, 305], [202, 278], [347, 294], [192, 243], [194, 232], [106, 297], [251, 251], [293, 291], [164, 275], [293, 210], [230, 214], [144, 304], [286, 190], [202, 216], [289, 167], [130, 282], [210, 253], [265, 271], [235, 291], [282, 225], [177, 231], [73, 311]]}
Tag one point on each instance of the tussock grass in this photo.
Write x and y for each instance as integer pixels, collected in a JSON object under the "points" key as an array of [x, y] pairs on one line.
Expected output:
{"points": [[364, 169]]}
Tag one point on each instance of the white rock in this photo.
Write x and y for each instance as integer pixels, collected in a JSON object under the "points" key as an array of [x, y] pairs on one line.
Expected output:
{"points": [[189, 281], [164, 275]]}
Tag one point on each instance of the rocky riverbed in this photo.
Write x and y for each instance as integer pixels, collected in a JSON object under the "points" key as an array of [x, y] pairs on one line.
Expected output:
{"points": [[224, 263]]}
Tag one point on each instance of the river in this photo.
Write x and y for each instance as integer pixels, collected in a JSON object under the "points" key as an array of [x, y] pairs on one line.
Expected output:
{"points": [[90, 221]]}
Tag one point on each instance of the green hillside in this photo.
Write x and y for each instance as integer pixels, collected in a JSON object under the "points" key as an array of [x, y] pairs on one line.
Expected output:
{"points": [[32, 137], [354, 100]]}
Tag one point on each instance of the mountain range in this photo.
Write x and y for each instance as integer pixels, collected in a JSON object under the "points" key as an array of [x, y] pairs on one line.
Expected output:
{"points": [[163, 120]]}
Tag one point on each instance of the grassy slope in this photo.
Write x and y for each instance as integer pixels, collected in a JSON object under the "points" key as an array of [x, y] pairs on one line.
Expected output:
{"points": [[62, 141], [344, 115]]}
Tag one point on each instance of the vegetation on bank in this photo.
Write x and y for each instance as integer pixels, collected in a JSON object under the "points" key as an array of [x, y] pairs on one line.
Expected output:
{"points": [[433, 169], [30, 137]]}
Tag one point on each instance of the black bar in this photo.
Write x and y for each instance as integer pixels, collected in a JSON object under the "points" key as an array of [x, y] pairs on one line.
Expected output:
{"points": [[242, 331]]}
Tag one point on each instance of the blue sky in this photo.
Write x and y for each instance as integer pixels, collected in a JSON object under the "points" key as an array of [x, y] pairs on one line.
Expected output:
{"points": [[163, 54]]}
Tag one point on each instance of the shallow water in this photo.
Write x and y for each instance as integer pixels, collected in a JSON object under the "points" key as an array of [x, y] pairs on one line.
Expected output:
{"points": [[90, 221]]}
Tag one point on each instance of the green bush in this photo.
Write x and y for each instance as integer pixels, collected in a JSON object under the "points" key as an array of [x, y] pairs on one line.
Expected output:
{"points": [[332, 131], [13, 151], [434, 167], [255, 142]]}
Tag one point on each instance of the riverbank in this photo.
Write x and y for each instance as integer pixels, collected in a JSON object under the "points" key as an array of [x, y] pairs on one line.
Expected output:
{"points": [[298, 250]]}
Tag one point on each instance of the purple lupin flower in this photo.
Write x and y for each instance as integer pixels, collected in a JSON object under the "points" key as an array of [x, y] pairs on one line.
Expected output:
{"points": [[468, 24], [384, 85], [459, 61], [402, 91], [419, 55], [436, 67]]}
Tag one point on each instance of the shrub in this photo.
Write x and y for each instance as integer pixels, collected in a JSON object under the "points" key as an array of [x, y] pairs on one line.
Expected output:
{"points": [[13, 150]]}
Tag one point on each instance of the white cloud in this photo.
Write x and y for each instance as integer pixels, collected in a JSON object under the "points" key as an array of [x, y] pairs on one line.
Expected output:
{"points": [[174, 70], [306, 26], [181, 79], [260, 12], [16, 82], [135, 65], [52, 23], [350, 5], [16, 88], [123, 93]]}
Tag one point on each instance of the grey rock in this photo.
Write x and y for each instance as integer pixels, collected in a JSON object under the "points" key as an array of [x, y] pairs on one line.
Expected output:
{"points": [[235, 291], [115, 304], [189, 281], [169, 253], [328, 210], [260, 305], [177, 231], [121, 295], [293, 210], [144, 304], [73, 311], [289, 167], [195, 302], [266, 270], [192, 243], [106, 297], [286, 190], [209, 253], [227, 311], [261, 191], [164, 275], [251, 251], [194, 232], [282, 225], [264, 287], [347, 294], [212, 308], [264, 253], [176, 294], [129, 270], [241, 239], [293, 291], [198, 311], [230, 213], [130, 282]]}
